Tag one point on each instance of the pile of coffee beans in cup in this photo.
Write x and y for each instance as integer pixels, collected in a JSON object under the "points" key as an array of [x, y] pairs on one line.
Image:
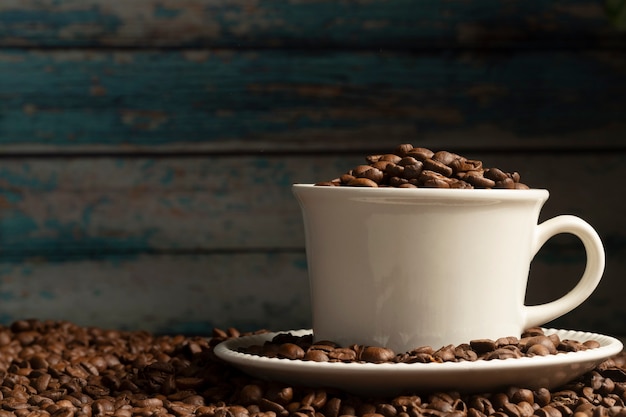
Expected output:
{"points": [[50, 368], [411, 167], [534, 342]]}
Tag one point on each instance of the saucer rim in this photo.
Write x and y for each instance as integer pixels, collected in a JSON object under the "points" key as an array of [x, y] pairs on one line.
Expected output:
{"points": [[612, 346], [390, 379]]}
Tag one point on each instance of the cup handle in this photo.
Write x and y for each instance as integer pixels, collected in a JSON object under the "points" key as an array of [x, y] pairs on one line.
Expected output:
{"points": [[538, 315]]}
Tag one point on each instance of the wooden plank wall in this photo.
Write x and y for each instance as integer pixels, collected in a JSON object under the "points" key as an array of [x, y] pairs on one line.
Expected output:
{"points": [[147, 147]]}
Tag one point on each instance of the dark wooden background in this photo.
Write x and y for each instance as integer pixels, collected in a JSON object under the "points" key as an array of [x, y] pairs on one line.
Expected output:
{"points": [[147, 147]]}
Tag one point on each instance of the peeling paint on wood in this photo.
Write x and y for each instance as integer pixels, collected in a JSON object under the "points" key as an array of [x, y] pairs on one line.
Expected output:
{"points": [[174, 294], [147, 147], [143, 205], [90, 100], [113, 225], [194, 293], [315, 23]]}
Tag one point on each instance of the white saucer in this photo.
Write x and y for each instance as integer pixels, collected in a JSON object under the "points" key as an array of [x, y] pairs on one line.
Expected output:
{"points": [[548, 371]]}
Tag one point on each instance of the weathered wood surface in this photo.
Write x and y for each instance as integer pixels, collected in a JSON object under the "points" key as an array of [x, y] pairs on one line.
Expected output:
{"points": [[147, 147], [174, 240], [310, 24], [87, 206], [227, 101], [193, 293], [166, 293]]}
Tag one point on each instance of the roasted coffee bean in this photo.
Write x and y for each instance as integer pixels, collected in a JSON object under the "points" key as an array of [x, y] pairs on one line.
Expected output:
{"points": [[408, 160], [332, 408], [479, 349], [143, 375], [267, 405], [445, 157], [506, 183], [41, 382], [290, 351], [477, 180], [369, 172], [198, 400], [391, 157], [548, 411], [359, 170], [539, 350], [498, 400], [608, 386], [503, 353], [394, 170], [546, 342], [481, 404], [102, 406], [483, 345], [279, 394], [420, 357], [432, 179], [372, 415], [438, 167], [472, 412], [570, 346], [413, 171], [384, 166], [362, 182], [343, 354], [371, 159], [406, 402], [325, 345], [403, 149], [412, 167], [464, 165], [445, 354], [376, 354], [591, 344], [38, 361], [518, 395], [513, 410], [386, 410], [316, 356], [346, 178], [564, 410], [465, 352], [542, 396], [398, 182], [420, 153], [495, 174]]}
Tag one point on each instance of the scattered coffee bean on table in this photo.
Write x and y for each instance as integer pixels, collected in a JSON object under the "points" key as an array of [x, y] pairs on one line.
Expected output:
{"points": [[534, 342], [50, 368], [411, 167]]}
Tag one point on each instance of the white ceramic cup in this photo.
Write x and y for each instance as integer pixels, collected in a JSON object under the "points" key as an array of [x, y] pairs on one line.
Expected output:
{"points": [[404, 268]]}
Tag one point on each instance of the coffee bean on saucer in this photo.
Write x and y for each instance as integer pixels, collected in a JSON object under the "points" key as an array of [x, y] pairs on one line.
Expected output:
{"points": [[376, 354], [290, 351], [316, 355], [533, 343], [483, 345]]}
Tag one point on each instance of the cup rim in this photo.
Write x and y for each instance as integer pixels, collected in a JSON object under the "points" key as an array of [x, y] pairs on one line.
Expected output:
{"points": [[508, 194]]}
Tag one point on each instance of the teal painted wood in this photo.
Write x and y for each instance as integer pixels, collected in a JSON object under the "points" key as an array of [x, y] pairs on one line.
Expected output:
{"points": [[110, 224], [123, 101], [317, 23], [164, 293], [194, 293], [86, 207]]}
